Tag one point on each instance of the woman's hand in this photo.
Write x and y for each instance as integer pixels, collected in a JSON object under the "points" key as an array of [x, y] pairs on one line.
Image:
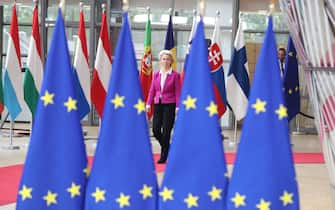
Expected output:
{"points": [[147, 108]]}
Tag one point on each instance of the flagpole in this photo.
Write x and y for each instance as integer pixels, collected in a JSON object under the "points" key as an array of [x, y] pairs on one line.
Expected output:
{"points": [[125, 5], [62, 6], [234, 141]]}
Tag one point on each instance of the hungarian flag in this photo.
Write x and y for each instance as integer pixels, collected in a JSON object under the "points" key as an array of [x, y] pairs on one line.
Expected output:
{"points": [[217, 72], [169, 43], [102, 68], [13, 70], [146, 63], [34, 73]]}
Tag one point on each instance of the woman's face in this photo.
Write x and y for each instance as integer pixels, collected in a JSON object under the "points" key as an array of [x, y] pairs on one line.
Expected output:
{"points": [[165, 62]]}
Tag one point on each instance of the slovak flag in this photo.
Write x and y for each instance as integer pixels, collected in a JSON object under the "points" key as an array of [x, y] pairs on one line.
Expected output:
{"points": [[215, 60], [102, 68]]}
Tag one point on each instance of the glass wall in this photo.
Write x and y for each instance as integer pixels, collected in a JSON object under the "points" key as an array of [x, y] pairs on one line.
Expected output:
{"points": [[182, 19]]}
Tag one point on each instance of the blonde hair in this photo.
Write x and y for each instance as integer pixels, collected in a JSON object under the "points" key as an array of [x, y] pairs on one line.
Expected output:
{"points": [[166, 52]]}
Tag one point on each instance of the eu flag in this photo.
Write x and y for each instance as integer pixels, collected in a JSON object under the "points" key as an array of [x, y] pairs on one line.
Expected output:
{"points": [[196, 171], [54, 172], [263, 176], [123, 174], [291, 81]]}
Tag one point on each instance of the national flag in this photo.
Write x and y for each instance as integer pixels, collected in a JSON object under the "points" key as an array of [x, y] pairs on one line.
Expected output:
{"points": [[169, 43], [217, 73], [263, 176], [54, 171], [195, 175], [238, 85], [13, 69], [82, 103], [146, 63], [102, 68], [123, 174], [291, 81], [194, 25], [34, 73], [82, 70]]}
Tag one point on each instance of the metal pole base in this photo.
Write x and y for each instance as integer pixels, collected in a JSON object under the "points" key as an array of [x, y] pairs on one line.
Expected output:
{"points": [[11, 147], [299, 133]]}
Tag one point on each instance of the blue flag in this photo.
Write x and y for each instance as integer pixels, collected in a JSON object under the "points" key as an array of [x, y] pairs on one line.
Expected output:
{"points": [[263, 176], [169, 42], [54, 171], [123, 174], [82, 103], [291, 81], [195, 175]]}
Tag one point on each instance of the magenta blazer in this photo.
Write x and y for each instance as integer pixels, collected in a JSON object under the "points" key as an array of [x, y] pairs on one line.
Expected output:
{"points": [[170, 92]]}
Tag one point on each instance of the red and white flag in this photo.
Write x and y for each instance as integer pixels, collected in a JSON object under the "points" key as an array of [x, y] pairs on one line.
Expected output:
{"points": [[81, 63], [102, 69]]}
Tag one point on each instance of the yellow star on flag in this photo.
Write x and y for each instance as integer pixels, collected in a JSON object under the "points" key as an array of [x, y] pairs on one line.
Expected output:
{"points": [[238, 200], [146, 192], [259, 106], [191, 201], [74, 190], [215, 193], [99, 195], [281, 111], [25, 192], [212, 109], [47, 98], [123, 200], [296, 88], [87, 170], [189, 102], [50, 198], [118, 101], [140, 106], [167, 194], [290, 91], [263, 205], [286, 198], [71, 104]]}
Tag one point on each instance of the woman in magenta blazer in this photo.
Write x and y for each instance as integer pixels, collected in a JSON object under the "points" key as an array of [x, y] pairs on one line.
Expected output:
{"points": [[164, 94]]}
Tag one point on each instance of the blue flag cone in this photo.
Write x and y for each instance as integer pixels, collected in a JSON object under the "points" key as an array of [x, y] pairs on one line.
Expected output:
{"points": [[123, 174], [195, 175], [54, 172], [263, 175]]}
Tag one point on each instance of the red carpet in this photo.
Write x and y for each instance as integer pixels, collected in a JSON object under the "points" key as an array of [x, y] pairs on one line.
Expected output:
{"points": [[10, 175]]}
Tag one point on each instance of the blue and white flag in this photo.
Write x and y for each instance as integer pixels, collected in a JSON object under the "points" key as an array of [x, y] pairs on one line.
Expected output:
{"points": [[238, 85]]}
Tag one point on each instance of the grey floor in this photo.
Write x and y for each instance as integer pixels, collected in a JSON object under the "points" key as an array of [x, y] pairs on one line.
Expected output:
{"points": [[313, 180]]}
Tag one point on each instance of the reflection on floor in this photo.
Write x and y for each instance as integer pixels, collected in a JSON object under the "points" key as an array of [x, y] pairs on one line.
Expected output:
{"points": [[314, 186]]}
